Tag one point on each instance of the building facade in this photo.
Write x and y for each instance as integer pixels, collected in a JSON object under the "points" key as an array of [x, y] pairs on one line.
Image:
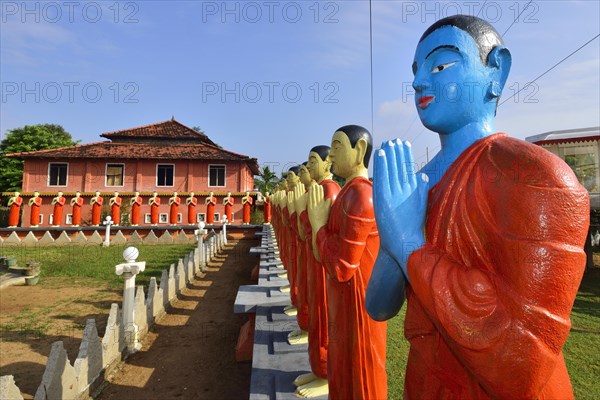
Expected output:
{"points": [[164, 157]]}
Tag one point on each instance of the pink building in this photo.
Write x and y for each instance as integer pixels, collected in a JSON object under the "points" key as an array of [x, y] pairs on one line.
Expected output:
{"points": [[165, 157]]}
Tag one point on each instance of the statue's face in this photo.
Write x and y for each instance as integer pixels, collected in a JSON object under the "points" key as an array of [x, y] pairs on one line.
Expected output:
{"points": [[343, 157], [305, 176], [36, 194], [137, 194], [17, 194], [77, 194], [154, 194], [292, 180], [191, 194], [116, 194], [450, 81], [174, 194], [316, 166], [97, 193], [60, 194]]}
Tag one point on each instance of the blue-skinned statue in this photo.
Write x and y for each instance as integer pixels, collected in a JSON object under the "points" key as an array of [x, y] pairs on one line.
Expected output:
{"points": [[486, 240]]}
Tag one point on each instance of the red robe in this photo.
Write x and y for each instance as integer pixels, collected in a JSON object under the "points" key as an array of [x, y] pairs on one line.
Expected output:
{"points": [[174, 210], [115, 211], [58, 210], [135, 211], [300, 275], [316, 293], [228, 208], [348, 246], [247, 205], [154, 211], [267, 210], [15, 209], [210, 210], [76, 216], [192, 210], [289, 250], [97, 210], [34, 218], [491, 290]]}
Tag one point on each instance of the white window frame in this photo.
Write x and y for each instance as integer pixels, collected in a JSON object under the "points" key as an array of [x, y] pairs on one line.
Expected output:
{"points": [[201, 217], [217, 217], [163, 218], [147, 218], [41, 221], [224, 174], [51, 219], [67, 177], [156, 173], [106, 174], [69, 219]]}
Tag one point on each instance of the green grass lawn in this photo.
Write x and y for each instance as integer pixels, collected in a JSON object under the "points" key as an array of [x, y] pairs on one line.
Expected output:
{"points": [[97, 262], [582, 350]]}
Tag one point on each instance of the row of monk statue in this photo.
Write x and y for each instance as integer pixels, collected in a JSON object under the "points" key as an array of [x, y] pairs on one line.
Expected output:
{"points": [[484, 243], [97, 201]]}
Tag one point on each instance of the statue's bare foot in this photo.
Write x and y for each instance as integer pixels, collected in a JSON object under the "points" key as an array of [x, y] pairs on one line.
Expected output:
{"points": [[304, 379], [298, 337], [282, 275], [290, 307], [316, 388], [285, 289], [291, 312]]}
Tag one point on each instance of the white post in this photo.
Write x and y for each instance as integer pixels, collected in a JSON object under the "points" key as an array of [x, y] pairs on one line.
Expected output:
{"points": [[225, 230], [200, 232], [108, 222], [129, 270]]}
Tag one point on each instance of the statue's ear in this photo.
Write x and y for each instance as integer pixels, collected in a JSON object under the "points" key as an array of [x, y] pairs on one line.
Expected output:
{"points": [[500, 60], [361, 149]]}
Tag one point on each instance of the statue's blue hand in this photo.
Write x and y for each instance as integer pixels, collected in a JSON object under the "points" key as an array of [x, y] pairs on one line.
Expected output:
{"points": [[400, 201], [387, 288]]}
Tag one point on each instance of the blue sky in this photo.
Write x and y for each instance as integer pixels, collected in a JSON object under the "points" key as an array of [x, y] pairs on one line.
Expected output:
{"points": [[272, 79]]}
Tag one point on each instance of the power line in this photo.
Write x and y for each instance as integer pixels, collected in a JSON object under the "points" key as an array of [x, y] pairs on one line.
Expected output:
{"points": [[550, 69], [516, 19]]}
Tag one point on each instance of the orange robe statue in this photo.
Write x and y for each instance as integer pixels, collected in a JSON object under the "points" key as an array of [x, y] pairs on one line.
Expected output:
{"points": [[57, 212], [316, 293], [115, 210], [299, 285], [15, 210], [267, 210], [154, 206], [228, 208], [483, 266], [97, 203], [174, 209], [247, 206], [348, 246], [76, 216], [210, 210], [136, 207], [36, 204], [192, 202]]}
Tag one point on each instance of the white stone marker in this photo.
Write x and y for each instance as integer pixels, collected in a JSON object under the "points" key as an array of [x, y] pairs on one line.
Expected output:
{"points": [[129, 270], [108, 222], [225, 230], [200, 232]]}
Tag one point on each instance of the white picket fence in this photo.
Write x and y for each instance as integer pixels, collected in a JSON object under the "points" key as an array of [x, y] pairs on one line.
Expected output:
{"points": [[98, 356]]}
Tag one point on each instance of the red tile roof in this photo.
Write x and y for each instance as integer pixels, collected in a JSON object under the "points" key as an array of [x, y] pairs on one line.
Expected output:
{"points": [[171, 129], [153, 151]]}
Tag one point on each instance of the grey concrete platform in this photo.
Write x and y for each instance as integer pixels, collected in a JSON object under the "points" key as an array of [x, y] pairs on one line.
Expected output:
{"points": [[275, 363]]}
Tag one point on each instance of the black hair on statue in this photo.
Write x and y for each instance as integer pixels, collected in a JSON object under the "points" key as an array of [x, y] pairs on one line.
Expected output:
{"points": [[322, 151], [482, 32], [355, 133], [295, 169], [305, 163]]}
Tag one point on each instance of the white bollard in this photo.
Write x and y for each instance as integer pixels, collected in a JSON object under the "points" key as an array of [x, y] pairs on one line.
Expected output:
{"points": [[129, 270], [108, 222], [225, 230], [200, 232]]}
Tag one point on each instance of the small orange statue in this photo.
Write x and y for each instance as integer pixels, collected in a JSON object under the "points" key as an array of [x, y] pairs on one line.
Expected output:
{"points": [[211, 202], [267, 209], [174, 209], [76, 203], [228, 203], [136, 205], [115, 208], [58, 202], [35, 203], [247, 203], [191, 202], [154, 203], [14, 203], [97, 201]]}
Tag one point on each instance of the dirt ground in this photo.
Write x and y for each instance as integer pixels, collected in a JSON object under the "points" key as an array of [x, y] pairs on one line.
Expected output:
{"points": [[189, 353]]}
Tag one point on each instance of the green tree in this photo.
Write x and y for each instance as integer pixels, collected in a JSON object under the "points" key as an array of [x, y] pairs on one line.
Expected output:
{"points": [[29, 138], [267, 180]]}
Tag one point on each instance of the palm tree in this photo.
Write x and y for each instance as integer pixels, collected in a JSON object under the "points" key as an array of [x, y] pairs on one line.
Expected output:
{"points": [[267, 180]]}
